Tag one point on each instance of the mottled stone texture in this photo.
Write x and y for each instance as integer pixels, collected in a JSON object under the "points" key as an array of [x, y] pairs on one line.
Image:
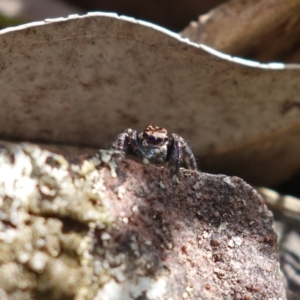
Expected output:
{"points": [[91, 228]]}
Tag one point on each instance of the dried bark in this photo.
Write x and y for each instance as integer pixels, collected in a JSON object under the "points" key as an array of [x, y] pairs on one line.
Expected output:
{"points": [[265, 30], [96, 228]]}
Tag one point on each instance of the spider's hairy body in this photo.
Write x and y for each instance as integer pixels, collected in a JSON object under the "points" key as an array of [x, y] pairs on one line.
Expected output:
{"points": [[155, 146]]}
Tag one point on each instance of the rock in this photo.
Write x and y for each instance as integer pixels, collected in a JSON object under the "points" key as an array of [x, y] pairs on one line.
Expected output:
{"points": [[92, 227]]}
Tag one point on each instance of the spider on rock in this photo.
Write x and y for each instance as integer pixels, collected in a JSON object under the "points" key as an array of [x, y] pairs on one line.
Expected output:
{"points": [[153, 145]]}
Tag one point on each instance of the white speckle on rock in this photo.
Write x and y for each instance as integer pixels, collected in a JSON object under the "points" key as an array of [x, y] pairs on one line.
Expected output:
{"points": [[146, 161], [28, 247], [230, 243], [133, 238], [169, 246], [189, 290], [220, 273], [135, 208], [132, 289], [91, 215], [197, 185], [134, 246], [156, 289], [206, 234], [148, 243], [227, 179], [105, 236], [162, 186], [121, 191], [222, 226], [23, 257], [235, 265], [38, 261], [237, 240], [41, 243], [8, 236]]}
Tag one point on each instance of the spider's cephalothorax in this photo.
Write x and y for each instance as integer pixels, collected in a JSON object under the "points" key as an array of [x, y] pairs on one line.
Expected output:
{"points": [[155, 146]]}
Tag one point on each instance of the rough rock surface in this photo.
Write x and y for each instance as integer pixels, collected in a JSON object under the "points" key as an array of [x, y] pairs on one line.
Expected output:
{"points": [[93, 228]]}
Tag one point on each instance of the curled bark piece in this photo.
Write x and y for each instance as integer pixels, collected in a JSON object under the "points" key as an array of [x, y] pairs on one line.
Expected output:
{"points": [[285, 204], [263, 30], [105, 229]]}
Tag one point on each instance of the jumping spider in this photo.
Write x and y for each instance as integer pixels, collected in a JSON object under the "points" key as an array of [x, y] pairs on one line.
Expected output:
{"points": [[155, 146]]}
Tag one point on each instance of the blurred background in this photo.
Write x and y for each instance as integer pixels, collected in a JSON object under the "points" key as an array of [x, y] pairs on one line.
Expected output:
{"points": [[174, 15]]}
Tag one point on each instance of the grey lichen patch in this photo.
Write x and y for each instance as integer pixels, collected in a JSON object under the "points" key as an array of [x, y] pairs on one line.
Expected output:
{"points": [[106, 157], [87, 167], [197, 185], [55, 230], [48, 218]]}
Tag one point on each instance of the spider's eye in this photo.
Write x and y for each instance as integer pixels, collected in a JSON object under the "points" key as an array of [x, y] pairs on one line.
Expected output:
{"points": [[159, 140], [151, 138], [145, 135]]}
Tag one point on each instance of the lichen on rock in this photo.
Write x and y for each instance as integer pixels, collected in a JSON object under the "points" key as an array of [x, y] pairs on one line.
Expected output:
{"points": [[97, 227]]}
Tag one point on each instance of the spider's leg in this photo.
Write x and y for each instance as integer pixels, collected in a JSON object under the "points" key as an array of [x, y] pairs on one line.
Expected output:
{"points": [[175, 154], [188, 159], [181, 154], [121, 142], [135, 146]]}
